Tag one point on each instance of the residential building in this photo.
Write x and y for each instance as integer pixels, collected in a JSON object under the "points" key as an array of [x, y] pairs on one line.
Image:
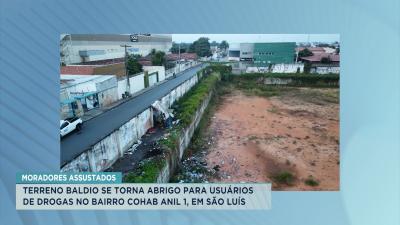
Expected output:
{"points": [[86, 92], [323, 63]]}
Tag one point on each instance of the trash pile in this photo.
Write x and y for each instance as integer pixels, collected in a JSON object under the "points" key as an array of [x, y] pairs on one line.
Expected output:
{"points": [[194, 170], [133, 148]]}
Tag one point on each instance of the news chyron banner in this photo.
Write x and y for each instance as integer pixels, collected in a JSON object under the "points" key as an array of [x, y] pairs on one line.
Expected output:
{"points": [[104, 191]]}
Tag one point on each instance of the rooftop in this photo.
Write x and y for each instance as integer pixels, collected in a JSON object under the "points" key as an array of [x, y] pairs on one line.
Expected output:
{"points": [[67, 80], [318, 56]]}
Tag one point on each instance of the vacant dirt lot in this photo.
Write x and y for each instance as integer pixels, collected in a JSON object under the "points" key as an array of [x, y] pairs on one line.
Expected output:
{"points": [[257, 139]]}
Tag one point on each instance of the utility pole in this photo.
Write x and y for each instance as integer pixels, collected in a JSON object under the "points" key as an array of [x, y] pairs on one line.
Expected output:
{"points": [[179, 56], [128, 86]]}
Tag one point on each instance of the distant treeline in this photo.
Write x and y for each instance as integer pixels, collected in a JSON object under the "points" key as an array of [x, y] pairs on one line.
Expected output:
{"points": [[292, 79]]}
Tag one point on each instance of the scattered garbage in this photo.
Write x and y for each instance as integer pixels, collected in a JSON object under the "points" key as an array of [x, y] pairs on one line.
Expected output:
{"points": [[194, 169]]}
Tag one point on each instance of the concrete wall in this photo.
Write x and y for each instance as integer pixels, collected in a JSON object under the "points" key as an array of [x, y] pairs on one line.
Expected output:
{"points": [[178, 92], [290, 81], [277, 81], [277, 68], [159, 69], [104, 153], [153, 79], [325, 70], [108, 96], [288, 68], [136, 84], [185, 136]]}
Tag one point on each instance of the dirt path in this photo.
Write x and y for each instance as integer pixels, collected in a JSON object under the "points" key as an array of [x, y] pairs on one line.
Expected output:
{"points": [[257, 138]]}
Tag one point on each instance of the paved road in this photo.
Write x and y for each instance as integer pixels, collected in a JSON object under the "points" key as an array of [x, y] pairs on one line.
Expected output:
{"points": [[99, 127]]}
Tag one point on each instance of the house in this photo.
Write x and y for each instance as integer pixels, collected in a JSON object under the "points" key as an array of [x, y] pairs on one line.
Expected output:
{"points": [[85, 92], [323, 63]]}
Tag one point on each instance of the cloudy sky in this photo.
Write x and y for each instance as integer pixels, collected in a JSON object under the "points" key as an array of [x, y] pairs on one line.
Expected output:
{"points": [[240, 38]]}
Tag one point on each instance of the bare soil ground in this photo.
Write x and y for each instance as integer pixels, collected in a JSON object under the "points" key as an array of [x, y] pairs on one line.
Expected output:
{"points": [[258, 138]]}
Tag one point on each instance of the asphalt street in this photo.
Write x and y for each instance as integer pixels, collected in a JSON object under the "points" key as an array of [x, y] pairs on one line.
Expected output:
{"points": [[104, 124]]}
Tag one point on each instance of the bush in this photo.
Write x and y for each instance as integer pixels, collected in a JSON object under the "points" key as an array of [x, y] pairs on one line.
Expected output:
{"points": [[171, 141], [311, 182], [284, 178], [147, 172], [187, 106], [223, 70]]}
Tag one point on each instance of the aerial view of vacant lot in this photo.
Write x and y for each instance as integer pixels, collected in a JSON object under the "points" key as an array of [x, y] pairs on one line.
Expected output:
{"points": [[288, 136]]}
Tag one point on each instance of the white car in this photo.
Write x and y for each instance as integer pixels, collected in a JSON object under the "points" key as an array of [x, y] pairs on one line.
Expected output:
{"points": [[69, 125]]}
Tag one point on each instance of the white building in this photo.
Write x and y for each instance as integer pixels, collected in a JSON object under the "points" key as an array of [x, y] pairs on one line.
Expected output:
{"points": [[234, 52], [88, 91], [80, 48]]}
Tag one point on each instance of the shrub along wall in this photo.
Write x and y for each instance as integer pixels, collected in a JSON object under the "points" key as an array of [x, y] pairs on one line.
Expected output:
{"points": [[188, 109], [189, 103]]}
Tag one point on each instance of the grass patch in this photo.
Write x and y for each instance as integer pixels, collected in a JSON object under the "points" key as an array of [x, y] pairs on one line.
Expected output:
{"points": [[251, 138], [187, 106], [311, 182], [318, 96], [147, 172], [201, 133], [253, 88], [284, 177], [273, 110], [171, 141]]}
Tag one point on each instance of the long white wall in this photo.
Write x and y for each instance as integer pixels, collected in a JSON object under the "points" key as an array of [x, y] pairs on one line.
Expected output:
{"points": [[104, 153], [159, 69], [277, 68], [136, 84]]}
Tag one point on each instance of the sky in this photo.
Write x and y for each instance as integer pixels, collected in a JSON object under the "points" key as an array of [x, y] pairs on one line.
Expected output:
{"points": [[242, 38]]}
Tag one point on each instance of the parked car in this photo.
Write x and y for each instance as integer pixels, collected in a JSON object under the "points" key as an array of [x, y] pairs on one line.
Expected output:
{"points": [[69, 125]]}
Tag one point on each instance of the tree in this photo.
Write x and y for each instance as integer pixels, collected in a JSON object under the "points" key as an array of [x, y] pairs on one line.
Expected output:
{"points": [[224, 45], [183, 46], [201, 47], [133, 65], [158, 58], [213, 44], [323, 45], [337, 50], [191, 48], [305, 52], [307, 67]]}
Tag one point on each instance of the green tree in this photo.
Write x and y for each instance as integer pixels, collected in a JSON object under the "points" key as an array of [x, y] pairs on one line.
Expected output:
{"points": [[158, 58], [305, 52], [175, 47], [201, 47], [191, 48], [307, 67], [224, 45], [133, 65], [213, 44]]}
